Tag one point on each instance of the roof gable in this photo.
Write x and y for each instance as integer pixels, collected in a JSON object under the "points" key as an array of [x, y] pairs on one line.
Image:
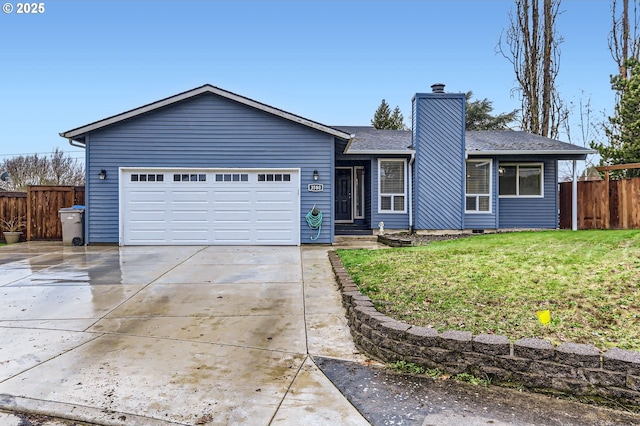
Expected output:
{"points": [[79, 132], [369, 140]]}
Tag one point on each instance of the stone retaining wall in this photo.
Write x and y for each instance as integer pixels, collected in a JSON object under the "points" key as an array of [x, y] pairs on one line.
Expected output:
{"points": [[571, 368]]}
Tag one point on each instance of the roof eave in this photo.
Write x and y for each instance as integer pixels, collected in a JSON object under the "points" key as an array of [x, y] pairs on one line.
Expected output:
{"points": [[380, 152], [207, 88], [530, 152]]}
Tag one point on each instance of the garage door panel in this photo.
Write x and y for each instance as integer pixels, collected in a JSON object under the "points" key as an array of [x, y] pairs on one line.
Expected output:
{"points": [[231, 219], [147, 214], [270, 218], [149, 236], [141, 197], [187, 210], [184, 201], [274, 191], [273, 236], [188, 216], [230, 195], [232, 236], [190, 235], [211, 207]]}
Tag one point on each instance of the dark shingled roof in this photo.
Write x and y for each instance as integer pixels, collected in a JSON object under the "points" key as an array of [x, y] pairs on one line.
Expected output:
{"points": [[495, 142], [369, 139], [483, 141]]}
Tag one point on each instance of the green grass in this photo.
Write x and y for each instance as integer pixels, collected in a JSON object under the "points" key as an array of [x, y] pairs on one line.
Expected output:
{"points": [[589, 280]]}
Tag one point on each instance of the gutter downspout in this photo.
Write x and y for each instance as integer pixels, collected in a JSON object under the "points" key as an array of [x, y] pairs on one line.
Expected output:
{"points": [[85, 236], [413, 157], [76, 144]]}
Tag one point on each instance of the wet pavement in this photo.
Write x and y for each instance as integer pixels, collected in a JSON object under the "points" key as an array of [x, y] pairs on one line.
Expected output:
{"points": [[171, 335], [213, 335], [388, 398]]}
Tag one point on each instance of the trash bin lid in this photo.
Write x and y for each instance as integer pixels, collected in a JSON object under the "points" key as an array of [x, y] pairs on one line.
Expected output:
{"points": [[70, 210]]}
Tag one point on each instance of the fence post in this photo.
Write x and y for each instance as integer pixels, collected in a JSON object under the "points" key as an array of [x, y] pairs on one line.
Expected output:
{"points": [[574, 197], [29, 210]]}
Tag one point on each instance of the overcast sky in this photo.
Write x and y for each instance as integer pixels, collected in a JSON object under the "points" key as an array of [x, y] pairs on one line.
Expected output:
{"points": [[329, 61]]}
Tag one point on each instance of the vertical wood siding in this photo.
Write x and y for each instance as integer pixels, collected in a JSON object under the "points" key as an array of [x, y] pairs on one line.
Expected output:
{"points": [[206, 131], [438, 136]]}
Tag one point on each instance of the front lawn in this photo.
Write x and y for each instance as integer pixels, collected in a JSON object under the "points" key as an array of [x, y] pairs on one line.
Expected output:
{"points": [[589, 280]]}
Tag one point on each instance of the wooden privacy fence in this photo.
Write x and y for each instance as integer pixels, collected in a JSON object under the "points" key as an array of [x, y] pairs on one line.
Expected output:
{"points": [[12, 205], [40, 206], [603, 204]]}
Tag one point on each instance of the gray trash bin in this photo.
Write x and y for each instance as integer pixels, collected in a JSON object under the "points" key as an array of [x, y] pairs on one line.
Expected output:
{"points": [[72, 219]]}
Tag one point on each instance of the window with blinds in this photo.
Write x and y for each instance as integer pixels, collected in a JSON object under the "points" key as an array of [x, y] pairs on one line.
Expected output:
{"points": [[392, 186], [478, 186]]}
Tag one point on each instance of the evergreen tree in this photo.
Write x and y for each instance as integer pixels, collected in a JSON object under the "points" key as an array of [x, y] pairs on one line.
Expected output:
{"points": [[397, 120], [623, 129], [385, 119], [479, 115]]}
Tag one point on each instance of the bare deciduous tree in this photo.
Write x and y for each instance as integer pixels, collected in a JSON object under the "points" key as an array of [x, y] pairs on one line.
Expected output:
{"points": [[623, 38], [532, 46], [57, 169]]}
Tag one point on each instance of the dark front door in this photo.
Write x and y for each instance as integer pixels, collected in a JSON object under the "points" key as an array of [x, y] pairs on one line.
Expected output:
{"points": [[343, 195]]}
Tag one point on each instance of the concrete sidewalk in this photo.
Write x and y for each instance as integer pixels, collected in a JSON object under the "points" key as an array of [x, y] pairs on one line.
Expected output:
{"points": [[172, 335]]}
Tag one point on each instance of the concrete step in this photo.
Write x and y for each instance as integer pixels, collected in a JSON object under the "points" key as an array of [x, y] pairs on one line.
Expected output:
{"points": [[355, 240]]}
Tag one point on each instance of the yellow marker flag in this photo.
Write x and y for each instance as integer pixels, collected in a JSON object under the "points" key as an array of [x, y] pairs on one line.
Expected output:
{"points": [[544, 316]]}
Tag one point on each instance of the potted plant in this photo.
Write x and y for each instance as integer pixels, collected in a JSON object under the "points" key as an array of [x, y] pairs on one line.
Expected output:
{"points": [[12, 229]]}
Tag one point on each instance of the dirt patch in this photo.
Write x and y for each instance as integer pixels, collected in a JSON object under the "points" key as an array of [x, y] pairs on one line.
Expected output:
{"points": [[405, 239], [29, 419]]}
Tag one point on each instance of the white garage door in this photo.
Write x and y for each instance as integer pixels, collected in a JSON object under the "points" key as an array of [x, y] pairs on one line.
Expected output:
{"points": [[210, 206]]}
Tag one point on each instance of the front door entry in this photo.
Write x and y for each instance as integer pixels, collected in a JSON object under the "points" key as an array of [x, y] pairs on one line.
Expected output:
{"points": [[343, 185]]}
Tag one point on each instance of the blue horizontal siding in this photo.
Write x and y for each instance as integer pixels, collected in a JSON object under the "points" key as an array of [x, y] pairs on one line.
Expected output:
{"points": [[486, 220], [391, 220], [532, 212], [206, 131]]}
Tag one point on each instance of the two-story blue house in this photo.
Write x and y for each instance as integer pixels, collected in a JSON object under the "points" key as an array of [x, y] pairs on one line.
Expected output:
{"points": [[208, 166]]}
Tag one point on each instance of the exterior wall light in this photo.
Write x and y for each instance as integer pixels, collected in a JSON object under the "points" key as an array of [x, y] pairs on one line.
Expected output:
{"points": [[102, 175], [316, 176]]}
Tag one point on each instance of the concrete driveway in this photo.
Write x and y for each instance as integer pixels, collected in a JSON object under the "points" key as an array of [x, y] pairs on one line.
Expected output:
{"points": [[171, 335]]}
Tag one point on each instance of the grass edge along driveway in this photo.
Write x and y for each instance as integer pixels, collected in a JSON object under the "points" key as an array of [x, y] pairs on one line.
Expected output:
{"points": [[588, 280]]}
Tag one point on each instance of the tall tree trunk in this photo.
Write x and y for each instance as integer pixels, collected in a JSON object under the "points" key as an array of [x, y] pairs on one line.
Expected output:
{"points": [[625, 37], [547, 79], [624, 42], [534, 54]]}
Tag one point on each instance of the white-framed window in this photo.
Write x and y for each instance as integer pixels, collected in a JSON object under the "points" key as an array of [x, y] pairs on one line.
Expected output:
{"points": [[392, 186], [521, 180], [358, 189], [478, 186]]}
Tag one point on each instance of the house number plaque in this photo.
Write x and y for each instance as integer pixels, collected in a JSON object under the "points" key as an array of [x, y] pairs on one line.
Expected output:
{"points": [[315, 187]]}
